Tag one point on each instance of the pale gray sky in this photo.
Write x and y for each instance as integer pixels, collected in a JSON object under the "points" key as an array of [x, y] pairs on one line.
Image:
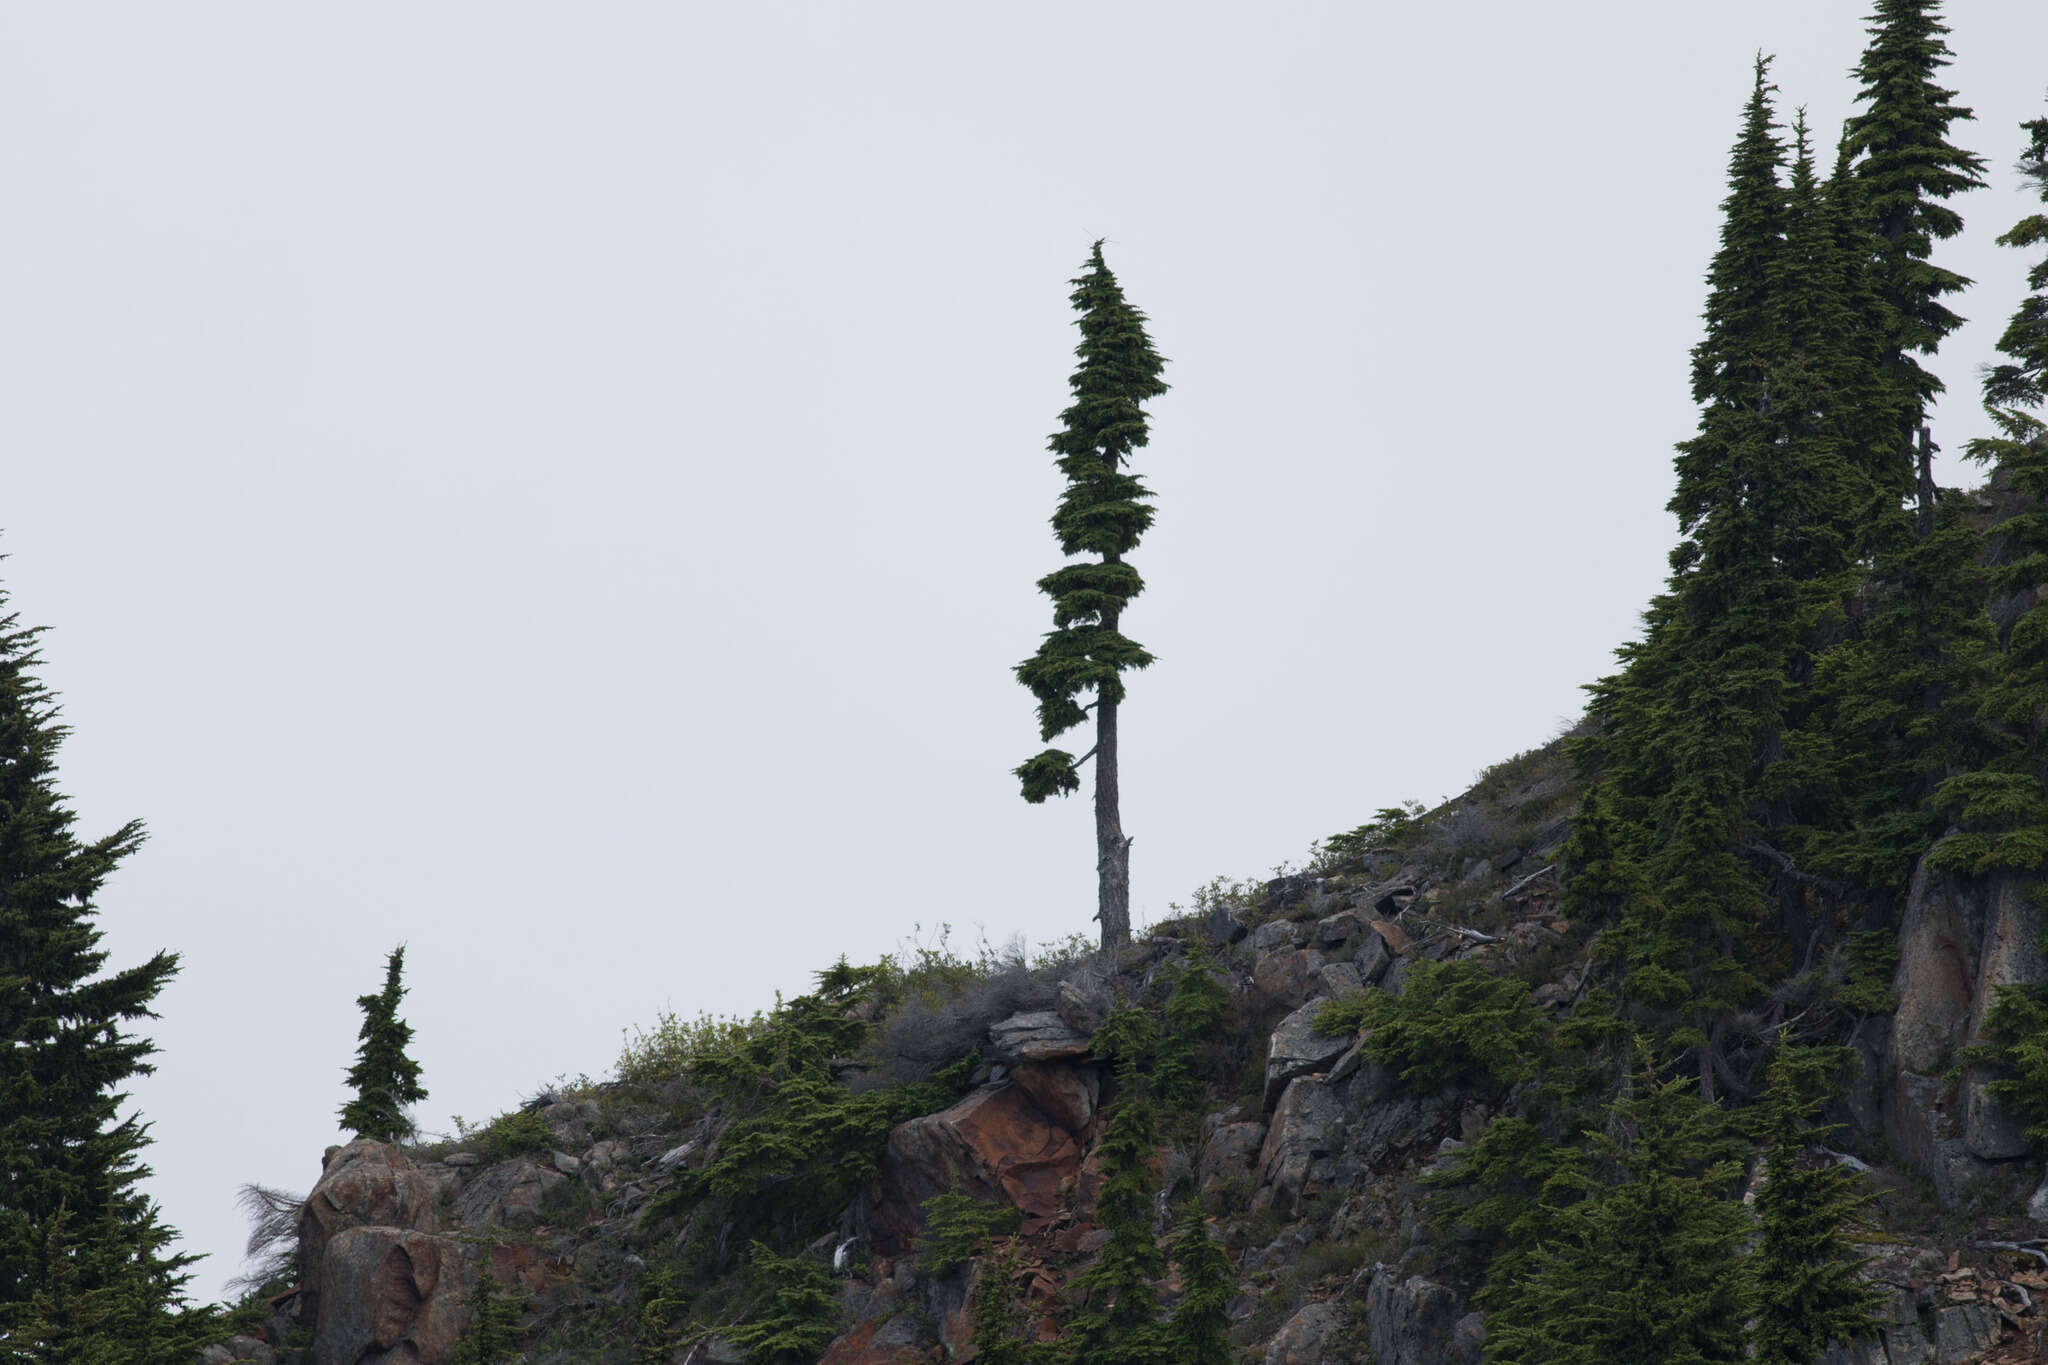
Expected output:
{"points": [[561, 486]]}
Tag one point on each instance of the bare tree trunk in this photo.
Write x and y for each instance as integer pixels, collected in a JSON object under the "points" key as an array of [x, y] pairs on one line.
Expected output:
{"points": [[1923, 520], [1112, 850]]}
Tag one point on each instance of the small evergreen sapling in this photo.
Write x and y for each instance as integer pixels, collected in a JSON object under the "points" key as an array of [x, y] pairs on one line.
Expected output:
{"points": [[1119, 1322], [1102, 512], [796, 1310], [1002, 1332], [384, 1078], [1199, 1331], [1807, 1292], [493, 1335]]}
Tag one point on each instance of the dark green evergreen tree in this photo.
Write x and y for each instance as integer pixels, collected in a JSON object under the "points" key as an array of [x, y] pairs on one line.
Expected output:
{"points": [[493, 1334], [84, 1256], [1806, 1291], [2002, 807], [386, 1080], [1199, 1332], [1002, 1332], [1646, 1268], [1907, 168], [795, 1313], [1103, 512], [1118, 1324], [1694, 746], [1196, 1008]]}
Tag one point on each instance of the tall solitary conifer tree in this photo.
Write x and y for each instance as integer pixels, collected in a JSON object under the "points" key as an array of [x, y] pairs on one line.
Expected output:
{"points": [[83, 1255], [385, 1079], [1103, 512]]}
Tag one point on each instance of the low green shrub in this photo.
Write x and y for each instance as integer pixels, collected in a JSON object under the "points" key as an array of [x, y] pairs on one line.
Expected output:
{"points": [[1454, 1022]]}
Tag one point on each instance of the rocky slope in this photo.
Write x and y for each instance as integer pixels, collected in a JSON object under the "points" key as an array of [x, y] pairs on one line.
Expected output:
{"points": [[1308, 1171]]}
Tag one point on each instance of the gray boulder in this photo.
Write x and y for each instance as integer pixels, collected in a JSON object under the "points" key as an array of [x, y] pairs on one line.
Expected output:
{"points": [[1296, 1049], [1419, 1322], [1036, 1036]]}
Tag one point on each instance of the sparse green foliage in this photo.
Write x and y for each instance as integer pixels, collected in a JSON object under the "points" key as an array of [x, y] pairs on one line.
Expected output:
{"points": [[385, 1079], [1453, 1022], [518, 1133], [1391, 827]]}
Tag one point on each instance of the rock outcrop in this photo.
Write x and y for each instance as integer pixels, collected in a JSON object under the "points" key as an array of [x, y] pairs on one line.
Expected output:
{"points": [[1960, 939]]}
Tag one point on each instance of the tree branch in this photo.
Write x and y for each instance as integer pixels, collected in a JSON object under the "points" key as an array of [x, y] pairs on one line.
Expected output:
{"points": [[1791, 869]]}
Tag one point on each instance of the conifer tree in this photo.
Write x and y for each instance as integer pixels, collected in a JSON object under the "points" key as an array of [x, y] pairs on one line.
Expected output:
{"points": [[386, 1080], [1646, 1269], [2003, 807], [1807, 1293], [493, 1335], [1002, 1336], [84, 1255], [1198, 1333], [1103, 512], [1119, 1323], [1692, 749], [1907, 168]]}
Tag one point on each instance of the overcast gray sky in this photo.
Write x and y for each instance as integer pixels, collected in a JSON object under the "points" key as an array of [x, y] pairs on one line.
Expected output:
{"points": [[561, 486]]}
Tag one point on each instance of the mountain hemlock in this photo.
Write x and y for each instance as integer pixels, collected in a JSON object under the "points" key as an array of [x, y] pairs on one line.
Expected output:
{"points": [[1118, 1322], [85, 1270], [1102, 512], [1807, 1294], [1647, 1267], [386, 1080]]}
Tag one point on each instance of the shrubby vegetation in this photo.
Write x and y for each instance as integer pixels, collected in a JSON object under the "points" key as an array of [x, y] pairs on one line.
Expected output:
{"points": [[1453, 1022]]}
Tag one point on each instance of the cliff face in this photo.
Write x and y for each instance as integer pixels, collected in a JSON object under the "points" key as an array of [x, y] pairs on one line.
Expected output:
{"points": [[1306, 1162]]}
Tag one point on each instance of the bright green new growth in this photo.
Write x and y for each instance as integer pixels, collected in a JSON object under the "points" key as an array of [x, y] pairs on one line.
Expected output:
{"points": [[384, 1078], [1102, 512], [1452, 1022]]}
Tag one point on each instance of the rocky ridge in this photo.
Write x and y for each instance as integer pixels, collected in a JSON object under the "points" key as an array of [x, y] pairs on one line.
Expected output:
{"points": [[1310, 1176]]}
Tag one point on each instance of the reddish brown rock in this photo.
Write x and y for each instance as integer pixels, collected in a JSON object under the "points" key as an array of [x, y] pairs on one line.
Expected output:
{"points": [[871, 1343], [1065, 1094], [995, 1143], [365, 1184], [389, 1297]]}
